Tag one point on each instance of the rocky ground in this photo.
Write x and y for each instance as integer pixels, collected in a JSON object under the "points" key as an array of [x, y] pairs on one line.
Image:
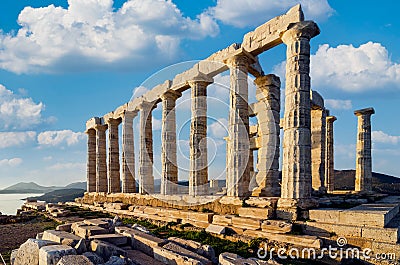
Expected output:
{"points": [[13, 234]]}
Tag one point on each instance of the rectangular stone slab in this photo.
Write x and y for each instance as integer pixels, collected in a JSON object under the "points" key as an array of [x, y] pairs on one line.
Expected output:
{"points": [[86, 231], [114, 239], [246, 223], [102, 222], [257, 213], [61, 237]]}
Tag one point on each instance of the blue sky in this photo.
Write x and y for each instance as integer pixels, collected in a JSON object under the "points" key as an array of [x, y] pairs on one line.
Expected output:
{"points": [[63, 62]]}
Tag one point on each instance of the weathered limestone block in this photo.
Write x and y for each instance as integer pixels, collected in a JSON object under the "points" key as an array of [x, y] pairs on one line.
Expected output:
{"points": [[223, 220], [140, 240], [61, 237], [101, 158], [169, 172], [330, 156], [389, 235], [176, 248], [325, 215], [50, 255], [238, 170], [114, 239], [28, 253], [139, 257], [198, 174], [114, 182], [298, 240], [75, 260], [106, 250], [171, 258], [86, 231], [364, 159], [64, 227], [216, 229], [204, 250], [101, 222], [201, 217], [91, 161], [276, 226], [296, 165], [246, 223], [257, 213]]}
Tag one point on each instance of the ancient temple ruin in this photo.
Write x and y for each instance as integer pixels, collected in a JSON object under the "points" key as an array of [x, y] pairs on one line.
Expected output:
{"points": [[308, 155]]}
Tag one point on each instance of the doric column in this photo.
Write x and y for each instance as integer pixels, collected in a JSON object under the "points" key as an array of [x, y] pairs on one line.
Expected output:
{"points": [[268, 94], [296, 167], [330, 155], [363, 158], [146, 178], [91, 161], [101, 158], [318, 140], [128, 153], [198, 175], [169, 171], [238, 173], [114, 181]]}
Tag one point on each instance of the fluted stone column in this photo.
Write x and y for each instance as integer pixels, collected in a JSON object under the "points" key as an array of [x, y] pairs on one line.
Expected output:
{"points": [[296, 168], [146, 178], [114, 181], [91, 161], [169, 171], [330, 155], [364, 158], [128, 153], [101, 158], [318, 140], [198, 175], [238, 170], [268, 95]]}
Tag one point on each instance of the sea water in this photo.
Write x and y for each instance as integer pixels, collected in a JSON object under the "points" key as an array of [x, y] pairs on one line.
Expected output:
{"points": [[9, 203]]}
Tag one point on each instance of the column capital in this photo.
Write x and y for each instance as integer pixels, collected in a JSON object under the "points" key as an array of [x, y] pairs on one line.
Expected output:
{"points": [[330, 119], [129, 114], [113, 122], [367, 111], [147, 106], [303, 29], [267, 80], [171, 94], [240, 57], [100, 127], [91, 131], [202, 79]]}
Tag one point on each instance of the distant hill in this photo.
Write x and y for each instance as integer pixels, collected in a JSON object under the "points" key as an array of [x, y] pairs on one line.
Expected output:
{"points": [[63, 195], [31, 187], [345, 179], [77, 185]]}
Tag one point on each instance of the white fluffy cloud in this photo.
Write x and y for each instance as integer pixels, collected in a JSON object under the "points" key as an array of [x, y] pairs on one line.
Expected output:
{"points": [[13, 162], [382, 137], [17, 112], [92, 34], [354, 69], [59, 138], [12, 139], [219, 128], [338, 104], [241, 13]]}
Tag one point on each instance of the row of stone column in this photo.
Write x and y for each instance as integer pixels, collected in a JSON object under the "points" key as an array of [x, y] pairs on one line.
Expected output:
{"points": [[103, 177]]}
